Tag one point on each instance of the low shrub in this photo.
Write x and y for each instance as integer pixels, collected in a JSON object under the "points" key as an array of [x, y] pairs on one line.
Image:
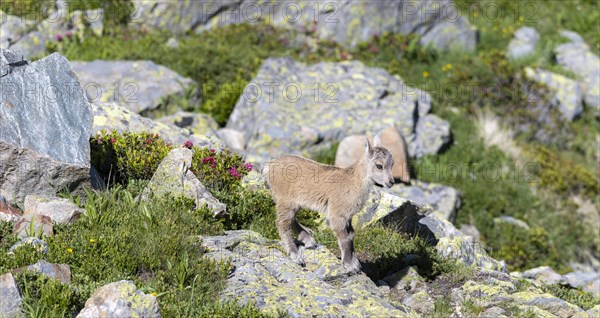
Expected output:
{"points": [[219, 170]]}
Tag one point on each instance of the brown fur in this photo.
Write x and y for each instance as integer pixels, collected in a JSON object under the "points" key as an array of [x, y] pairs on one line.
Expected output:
{"points": [[338, 193]]}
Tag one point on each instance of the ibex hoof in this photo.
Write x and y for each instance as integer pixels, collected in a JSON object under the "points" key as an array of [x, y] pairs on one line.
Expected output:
{"points": [[353, 267], [309, 243], [297, 258]]}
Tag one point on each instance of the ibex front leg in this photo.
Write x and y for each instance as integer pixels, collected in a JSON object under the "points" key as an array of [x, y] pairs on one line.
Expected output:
{"points": [[344, 232]]}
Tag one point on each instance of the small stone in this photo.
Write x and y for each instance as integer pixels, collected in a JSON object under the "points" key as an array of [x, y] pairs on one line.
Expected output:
{"points": [[120, 299], [524, 42], [232, 138], [543, 274], [60, 272], [8, 213], [507, 219], [38, 244]]}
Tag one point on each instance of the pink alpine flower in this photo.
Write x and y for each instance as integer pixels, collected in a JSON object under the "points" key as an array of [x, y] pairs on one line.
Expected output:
{"points": [[188, 144], [234, 173], [248, 166], [58, 37]]}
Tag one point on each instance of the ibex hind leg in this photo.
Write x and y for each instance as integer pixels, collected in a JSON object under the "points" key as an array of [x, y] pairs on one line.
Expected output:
{"points": [[285, 219], [345, 234], [304, 234]]}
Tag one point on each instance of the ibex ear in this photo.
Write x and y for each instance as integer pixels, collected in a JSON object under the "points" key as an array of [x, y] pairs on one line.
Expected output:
{"points": [[377, 141], [367, 147]]}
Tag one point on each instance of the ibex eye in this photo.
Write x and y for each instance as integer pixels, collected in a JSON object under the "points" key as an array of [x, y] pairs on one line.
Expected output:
{"points": [[379, 167]]}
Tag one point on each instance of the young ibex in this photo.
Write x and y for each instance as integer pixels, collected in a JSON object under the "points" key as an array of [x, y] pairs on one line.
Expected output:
{"points": [[338, 193]]}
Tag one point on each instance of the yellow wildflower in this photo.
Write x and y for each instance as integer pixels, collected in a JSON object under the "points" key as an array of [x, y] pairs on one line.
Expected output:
{"points": [[425, 74], [92, 240], [69, 250], [153, 294]]}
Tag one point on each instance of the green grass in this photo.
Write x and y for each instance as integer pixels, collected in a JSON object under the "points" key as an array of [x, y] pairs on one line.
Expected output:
{"points": [[151, 243], [576, 297]]}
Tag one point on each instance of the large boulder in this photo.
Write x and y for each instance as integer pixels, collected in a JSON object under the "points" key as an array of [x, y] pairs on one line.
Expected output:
{"points": [[173, 176], [120, 299], [567, 95], [577, 57], [266, 276], [524, 42], [443, 199], [138, 85], [346, 22], [111, 116], [352, 148], [45, 126], [352, 99], [10, 298]]}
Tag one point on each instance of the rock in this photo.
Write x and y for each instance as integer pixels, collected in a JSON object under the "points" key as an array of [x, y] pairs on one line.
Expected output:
{"points": [[12, 29], [60, 210], [32, 40], [96, 179], [594, 311], [8, 213], [507, 219], [45, 126], [452, 34], [524, 42], [578, 58], [420, 302], [276, 121], [267, 277], [173, 176], [442, 199], [36, 243], [470, 230], [567, 92], [586, 281], [10, 299], [548, 303], [351, 149], [232, 138], [172, 43], [341, 21], [138, 85], [60, 272], [407, 279], [197, 124], [33, 225], [114, 117], [120, 299], [543, 274]]}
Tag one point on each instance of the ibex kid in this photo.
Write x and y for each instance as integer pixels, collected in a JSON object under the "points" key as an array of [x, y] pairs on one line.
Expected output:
{"points": [[338, 193]]}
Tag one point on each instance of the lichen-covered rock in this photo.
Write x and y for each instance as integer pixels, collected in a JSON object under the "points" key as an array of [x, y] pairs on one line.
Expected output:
{"points": [[577, 57], [524, 42], [173, 176], [543, 274], [60, 210], [586, 281], [45, 126], [30, 38], [138, 85], [352, 99], [60, 272], [10, 299], [352, 148], [120, 299], [266, 276], [567, 92], [197, 124], [443, 199], [33, 225], [233, 139], [341, 21], [112, 116], [8, 213]]}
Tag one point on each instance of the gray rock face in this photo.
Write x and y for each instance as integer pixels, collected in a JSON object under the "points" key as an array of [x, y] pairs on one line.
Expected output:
{"points": [[10, 299], [587, 281], [443, 199], [137, 85], [8, 213], [577, 57], [58, 209], [523, 43], [45, 125], [173, 176], [60, 272], [232, 138], [112, 116], [345, 22], [543, 274], [281, 111], [269, 278], [198, 124], [120, 299], [567, 92]]}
